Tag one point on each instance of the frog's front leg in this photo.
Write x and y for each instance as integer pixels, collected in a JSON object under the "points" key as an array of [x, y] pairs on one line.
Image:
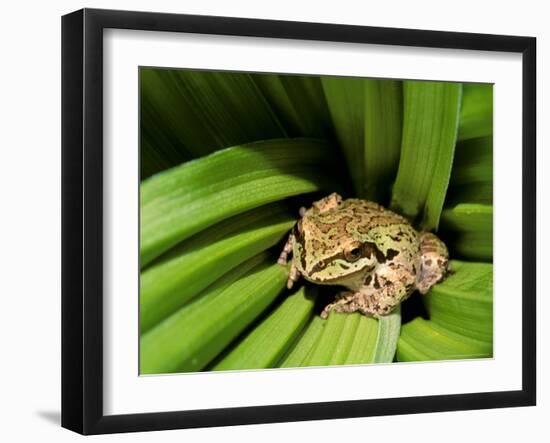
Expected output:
{"points": [[434, 262], [344, 302], [379, 295], [287, 249]]}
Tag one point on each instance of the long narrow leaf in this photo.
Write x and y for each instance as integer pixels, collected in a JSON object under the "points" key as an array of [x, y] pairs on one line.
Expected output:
{"points": [[187, 114], [197, 194], [186, 199], [363, 348], [345, 102], [431, 111], [303, 347], [346, 339], [264, 346], [469, 230], [472, 177], [171, 282], [330, 341], [464, 302], [299, 103], [190, 338], [388, 335], [367, 116], [476, 114], [425, 340], [383, 126], [460, 324]]}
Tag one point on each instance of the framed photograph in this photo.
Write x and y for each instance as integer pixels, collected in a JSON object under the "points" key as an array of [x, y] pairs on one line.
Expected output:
{"points": [[269, 221]]}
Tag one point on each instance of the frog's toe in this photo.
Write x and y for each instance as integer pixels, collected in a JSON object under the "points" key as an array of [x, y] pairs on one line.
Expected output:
{"points": [[287, 249], [293, 276], [283, 259], [432, 272], [344, 302]]}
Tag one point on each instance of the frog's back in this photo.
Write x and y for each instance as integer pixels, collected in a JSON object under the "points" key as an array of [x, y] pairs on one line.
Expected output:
{"points": [[363, 215]]}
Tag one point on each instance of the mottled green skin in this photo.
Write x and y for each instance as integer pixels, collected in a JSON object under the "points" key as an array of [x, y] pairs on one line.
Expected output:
{"points": [[375, 253]]}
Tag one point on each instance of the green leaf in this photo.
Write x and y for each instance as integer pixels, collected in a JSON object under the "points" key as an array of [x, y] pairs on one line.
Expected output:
{"points": [[472, 177], [461, 312], [468, 230], [476, 114], [187, 114], [367, 115], [388, 334], [424, 340], [464, 302], [264, 346], [345, 340], [383, 126], [184, 200], [189, 268], [300, 352], [299, 103], [431, 111], [363, 348], [333, 344], [190, 338]]}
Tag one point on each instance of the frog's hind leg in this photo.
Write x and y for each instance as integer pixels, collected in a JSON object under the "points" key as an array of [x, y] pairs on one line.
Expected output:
{"points": [[434, 262]]}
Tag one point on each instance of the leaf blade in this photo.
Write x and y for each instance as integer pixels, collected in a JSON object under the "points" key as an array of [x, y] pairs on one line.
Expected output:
{"points": [[298, 102], [476, 113], [460, 325], [469, 229], [205, 327], [354, 339], [431, 111], [472, 176], [302, 349], [189, 268], [389, 327], [367, 115], [197, 194], [264, 346], [187, 114]]}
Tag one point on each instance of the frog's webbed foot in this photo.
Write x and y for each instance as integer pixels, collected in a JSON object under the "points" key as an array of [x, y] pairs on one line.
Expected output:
{"points": [[344, 302], [434, 262], [367, 304], [377, 298]]}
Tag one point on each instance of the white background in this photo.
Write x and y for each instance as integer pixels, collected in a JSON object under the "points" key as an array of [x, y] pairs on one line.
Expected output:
{"points": [[30, 219], [127, 393]]}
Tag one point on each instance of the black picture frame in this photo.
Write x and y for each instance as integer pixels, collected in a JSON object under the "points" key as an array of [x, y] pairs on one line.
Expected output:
{"points": [[82, 220]]}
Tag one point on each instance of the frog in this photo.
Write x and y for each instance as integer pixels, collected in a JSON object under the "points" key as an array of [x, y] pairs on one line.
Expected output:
{"points": [[374, 253]]}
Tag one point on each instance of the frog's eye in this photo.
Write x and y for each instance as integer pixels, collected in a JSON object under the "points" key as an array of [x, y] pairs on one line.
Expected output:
{"points": [[354, 252]]}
